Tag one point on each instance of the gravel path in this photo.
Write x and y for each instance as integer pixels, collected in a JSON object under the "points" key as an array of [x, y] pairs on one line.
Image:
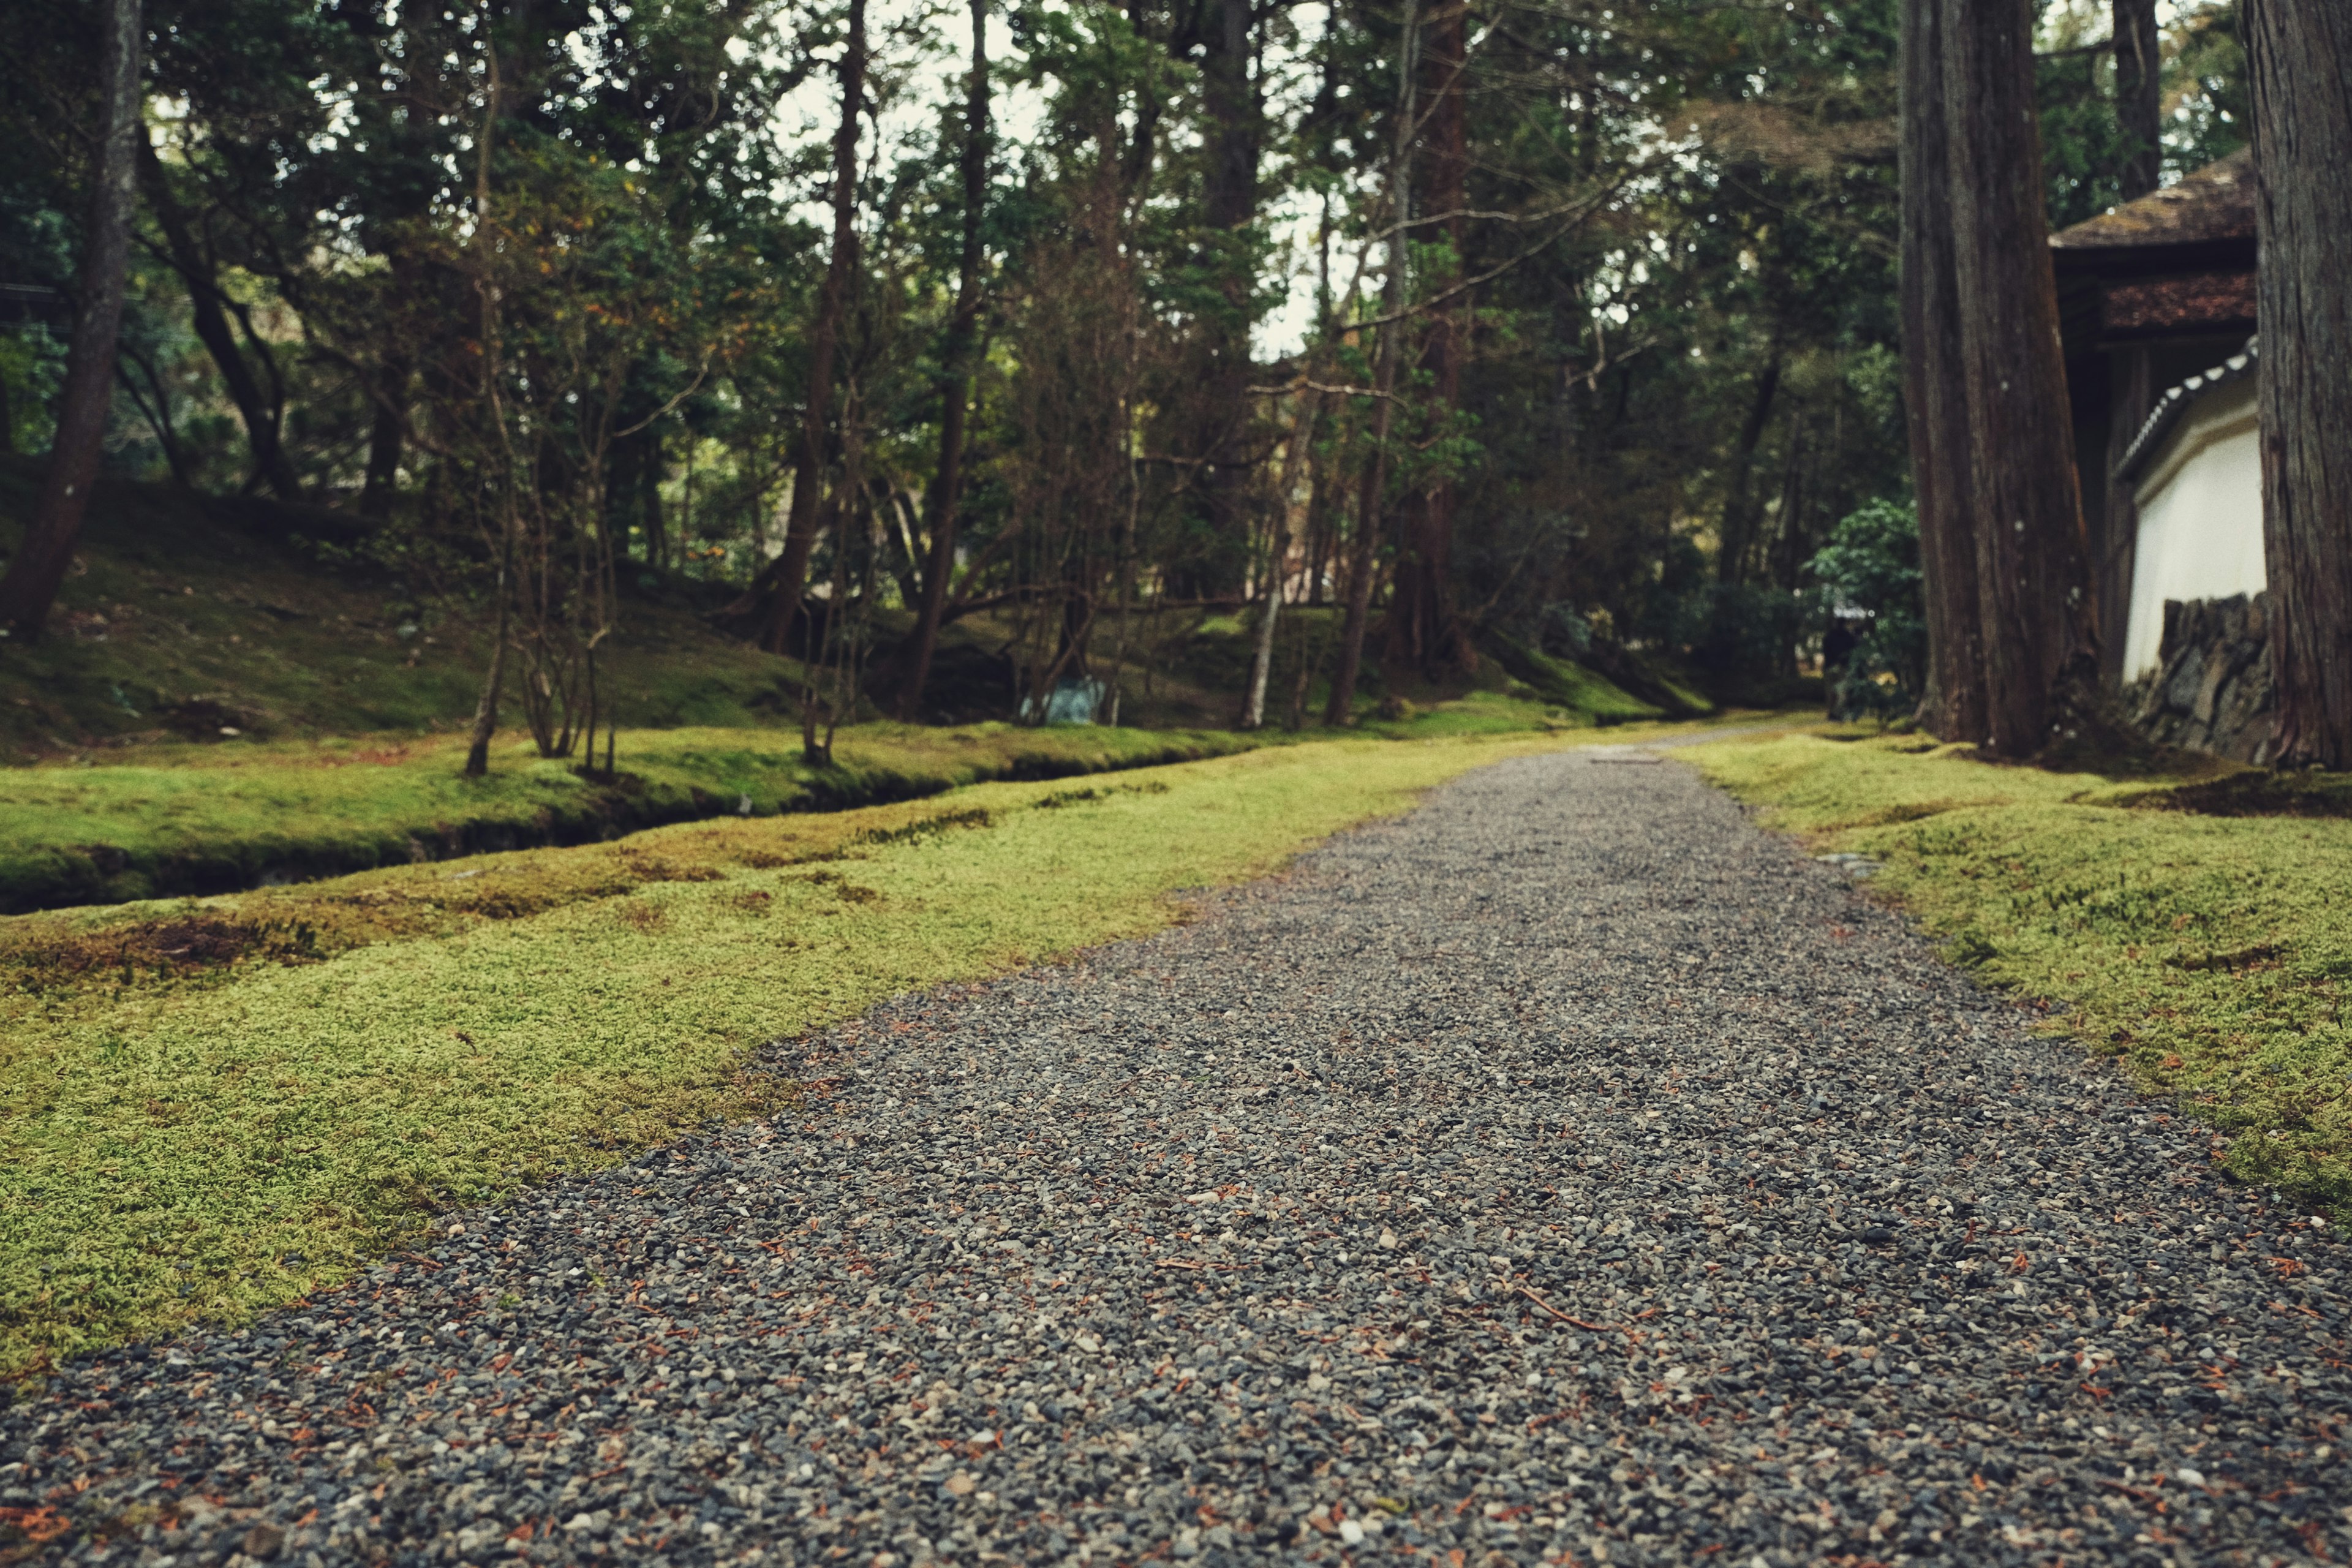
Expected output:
{"points": [[1566, 1173]]}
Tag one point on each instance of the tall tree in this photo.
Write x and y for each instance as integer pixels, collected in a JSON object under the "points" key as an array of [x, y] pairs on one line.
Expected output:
{"points": [[208, 307], [2299, 53], [964, 332], [789, 575], [1229, 199], [30, 585], [1424, 632], [2032, 579], [2140, 96], [1364, 550], [1935, 402]]}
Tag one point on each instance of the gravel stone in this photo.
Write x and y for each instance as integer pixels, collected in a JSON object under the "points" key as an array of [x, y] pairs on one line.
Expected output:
{"points": [[1567, 1172]]}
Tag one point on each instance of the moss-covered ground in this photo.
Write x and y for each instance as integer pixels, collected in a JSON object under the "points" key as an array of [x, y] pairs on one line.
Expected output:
{"points": [[208, 1106], [131, 822], [2209, 953]]}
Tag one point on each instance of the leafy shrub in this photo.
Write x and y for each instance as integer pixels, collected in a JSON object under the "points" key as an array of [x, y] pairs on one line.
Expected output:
{"points": [[1870, 581]]}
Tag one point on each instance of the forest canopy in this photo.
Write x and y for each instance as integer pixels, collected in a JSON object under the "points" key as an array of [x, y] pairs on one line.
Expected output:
{"points": [[1559, 325]]}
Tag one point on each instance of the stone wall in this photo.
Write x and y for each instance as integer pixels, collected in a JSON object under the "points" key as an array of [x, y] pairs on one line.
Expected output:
{"points": [[2212, 689]]}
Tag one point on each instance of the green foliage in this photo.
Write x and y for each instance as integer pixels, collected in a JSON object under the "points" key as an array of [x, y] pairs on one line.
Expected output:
{"points": [[2208, 954], [1869, 572]]}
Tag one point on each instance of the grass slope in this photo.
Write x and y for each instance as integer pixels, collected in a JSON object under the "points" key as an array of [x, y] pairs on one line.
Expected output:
{"points": [[211, 1106], [186, 613], [2211, 953]]}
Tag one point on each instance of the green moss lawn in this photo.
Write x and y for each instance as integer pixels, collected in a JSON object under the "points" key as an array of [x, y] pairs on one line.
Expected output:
{"points": [[210, 1106], [2209, 953]]}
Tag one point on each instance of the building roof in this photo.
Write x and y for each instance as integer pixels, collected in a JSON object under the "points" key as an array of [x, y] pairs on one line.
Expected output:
{"points": [[2176, 401], [2205, 221]]}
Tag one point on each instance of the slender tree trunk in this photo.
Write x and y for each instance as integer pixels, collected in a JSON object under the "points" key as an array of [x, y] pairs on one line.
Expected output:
{"points": [[260, 412], [1425, 631], [485, 707], [1738, 516], [1935, 402], [1302, 437], [946, 486], [1364, 555], [30, 585], [789, 576], [2140, 96], [2033, 583], [2300, 56]]}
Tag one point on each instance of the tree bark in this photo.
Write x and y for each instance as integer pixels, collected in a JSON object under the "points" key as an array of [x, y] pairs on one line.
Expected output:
{"points": [[1228, 208], [1364, 555], [2140, 96], [386, 434], [2299, 54], [1425, 633], [788, 578], [1738, 516], [35, 572], [1935, 408], [963, 330], [2033, 583], [1294, 457], [260, 413]]}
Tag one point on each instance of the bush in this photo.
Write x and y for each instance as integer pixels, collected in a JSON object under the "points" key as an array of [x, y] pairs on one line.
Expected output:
{"points": [[1870, 583]]}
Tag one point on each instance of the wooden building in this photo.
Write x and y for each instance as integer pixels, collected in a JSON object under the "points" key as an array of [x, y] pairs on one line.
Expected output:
{"points": [[2157, 307]]}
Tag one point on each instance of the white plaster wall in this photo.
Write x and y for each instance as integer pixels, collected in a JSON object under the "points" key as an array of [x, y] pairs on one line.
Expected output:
{"points": [[2201, 517]]}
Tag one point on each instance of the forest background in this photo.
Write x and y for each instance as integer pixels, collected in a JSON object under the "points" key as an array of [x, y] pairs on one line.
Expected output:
{"points": [[1531, 327]]}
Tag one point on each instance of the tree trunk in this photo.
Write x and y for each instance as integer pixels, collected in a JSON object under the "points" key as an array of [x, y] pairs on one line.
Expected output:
{"points": [[1364, 555], [260, 414], [1935, 408], [2140, 96], [1425, 633], [30, 585], [2033, 583], [2299, 53], [788, 578], [1229, 204], [385, 435], [1302, 437], [1738, 516], [947, 484]]}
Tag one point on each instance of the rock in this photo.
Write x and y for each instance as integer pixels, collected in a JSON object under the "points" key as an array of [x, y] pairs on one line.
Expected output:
{"points": [[263, 1541]]}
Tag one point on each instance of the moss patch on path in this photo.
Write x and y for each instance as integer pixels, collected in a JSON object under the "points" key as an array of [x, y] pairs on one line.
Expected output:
{"points": [[2212, 955], [210, 1106]]}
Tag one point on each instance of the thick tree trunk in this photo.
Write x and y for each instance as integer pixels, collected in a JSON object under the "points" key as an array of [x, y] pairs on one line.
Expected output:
{"points": [[1425, 632], [261, 414], [1364, 551], [2300, 58], [2033, 581], [964, 330], [2140, 96], [385, 437], [1229, 205], [1934, 405], [30, 585], [788, 576]]}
